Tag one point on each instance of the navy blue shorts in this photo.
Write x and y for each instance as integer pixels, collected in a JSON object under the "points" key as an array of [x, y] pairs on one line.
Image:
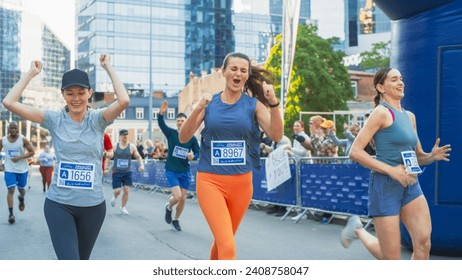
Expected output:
{"points": [[181, 179], [120, 179], [387, 196]]}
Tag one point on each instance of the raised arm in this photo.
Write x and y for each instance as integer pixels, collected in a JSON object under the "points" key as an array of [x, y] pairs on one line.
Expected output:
{"points": [[11, 100], [270, 122], [192, 123], [122, 101]]}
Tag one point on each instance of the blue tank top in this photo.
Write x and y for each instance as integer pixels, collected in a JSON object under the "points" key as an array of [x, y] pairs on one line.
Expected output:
{"points": [[230, 122], [398, 137]]}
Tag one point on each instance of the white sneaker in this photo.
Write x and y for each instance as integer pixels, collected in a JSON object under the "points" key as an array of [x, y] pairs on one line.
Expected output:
{"points": [[123, 211], [348, 234], [298, 217], [113, 201]]}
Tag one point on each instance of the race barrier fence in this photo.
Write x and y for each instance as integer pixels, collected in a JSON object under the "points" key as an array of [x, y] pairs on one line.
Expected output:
{"points": [[331, 185]]}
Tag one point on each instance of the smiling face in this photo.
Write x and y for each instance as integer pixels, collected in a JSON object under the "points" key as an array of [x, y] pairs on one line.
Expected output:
{"points": [[76, 98], [393, 85], [236, 72], [297, 127]]}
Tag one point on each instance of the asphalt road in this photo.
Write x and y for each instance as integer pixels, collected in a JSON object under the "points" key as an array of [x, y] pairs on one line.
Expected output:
{"points": [[144, 235]]}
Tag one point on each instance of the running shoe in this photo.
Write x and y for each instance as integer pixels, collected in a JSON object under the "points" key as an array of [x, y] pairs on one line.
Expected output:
{"points": [[11, 219], [348, 234], [176, 225], [21, 203], [123, 211], [168, 215], [113, 201]]}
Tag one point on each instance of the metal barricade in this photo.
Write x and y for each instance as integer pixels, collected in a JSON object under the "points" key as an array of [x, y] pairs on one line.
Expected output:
{"points": [[284, 195], [333, 187], [147, 178]]}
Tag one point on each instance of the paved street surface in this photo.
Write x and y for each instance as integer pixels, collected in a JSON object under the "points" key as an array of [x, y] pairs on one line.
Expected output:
{"points": [[144, 235]]}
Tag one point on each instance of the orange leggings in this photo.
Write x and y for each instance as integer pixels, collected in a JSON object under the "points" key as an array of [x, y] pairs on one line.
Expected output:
{"points": [[224, 199]]}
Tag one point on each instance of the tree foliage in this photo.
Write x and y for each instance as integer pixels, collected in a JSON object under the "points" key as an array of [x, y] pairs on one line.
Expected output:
{"points": [[377, 58], [319, 81]]}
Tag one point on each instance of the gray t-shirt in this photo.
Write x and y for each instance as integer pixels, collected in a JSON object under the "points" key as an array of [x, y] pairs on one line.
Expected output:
{"points": [[80, 145]]}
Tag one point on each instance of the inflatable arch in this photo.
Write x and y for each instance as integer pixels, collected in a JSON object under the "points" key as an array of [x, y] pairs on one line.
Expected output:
{"points": [[426, 47]]}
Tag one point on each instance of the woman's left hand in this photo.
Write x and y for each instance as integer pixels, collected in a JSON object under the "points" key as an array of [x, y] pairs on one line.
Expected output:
{"points": [[104, 59], [269, 93], [440, 153]]}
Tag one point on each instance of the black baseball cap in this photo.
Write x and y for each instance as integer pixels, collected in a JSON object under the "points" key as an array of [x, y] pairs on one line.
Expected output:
{"points": [[123, 132], [75, 77]]}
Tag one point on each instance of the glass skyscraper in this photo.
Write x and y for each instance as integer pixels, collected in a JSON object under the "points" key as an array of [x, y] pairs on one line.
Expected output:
{"points": [[24, 37], [257, 22], [181, 36]]}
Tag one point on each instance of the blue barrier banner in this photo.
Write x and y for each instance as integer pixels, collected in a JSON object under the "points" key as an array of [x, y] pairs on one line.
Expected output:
{"points": [[148, 177], [285, 194], [135, 172], [161, 178], [335, 187], [193, 167]]}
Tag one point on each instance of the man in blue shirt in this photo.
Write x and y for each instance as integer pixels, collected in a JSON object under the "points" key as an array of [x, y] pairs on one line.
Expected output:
{"points": [[177, 167]]}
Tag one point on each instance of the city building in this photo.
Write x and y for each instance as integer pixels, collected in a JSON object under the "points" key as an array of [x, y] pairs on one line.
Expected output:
{"points": [[25, 38]]}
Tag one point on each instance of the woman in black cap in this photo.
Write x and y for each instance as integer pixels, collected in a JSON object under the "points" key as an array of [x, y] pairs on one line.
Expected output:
{"points": [[75, 207]]}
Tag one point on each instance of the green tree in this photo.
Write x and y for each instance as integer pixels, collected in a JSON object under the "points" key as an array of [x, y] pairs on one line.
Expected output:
{"points": [[378, 57], [319, 81]]}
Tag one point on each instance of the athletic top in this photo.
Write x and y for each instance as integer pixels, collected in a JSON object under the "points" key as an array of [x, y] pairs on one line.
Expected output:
{"points": [[230, 128], [46, 159], [399, 137], [122, 159], [13, 150], [177, 159], [78, 143]]}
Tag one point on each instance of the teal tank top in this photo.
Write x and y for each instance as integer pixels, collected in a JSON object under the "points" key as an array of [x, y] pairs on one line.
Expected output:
{"points": [[398, 137]]}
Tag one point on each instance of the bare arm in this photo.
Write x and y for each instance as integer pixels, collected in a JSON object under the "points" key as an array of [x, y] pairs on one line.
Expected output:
{"points": [[192, 123], [137, 157], [379, 119], [438, 153], [29, 148], [11, 100], [270, 122], [122, 101]]}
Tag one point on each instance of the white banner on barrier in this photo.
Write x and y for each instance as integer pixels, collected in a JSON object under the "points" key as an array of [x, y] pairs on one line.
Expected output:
{"points": [[277, 168]]}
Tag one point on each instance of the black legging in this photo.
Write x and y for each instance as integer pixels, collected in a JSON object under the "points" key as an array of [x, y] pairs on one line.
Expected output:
{"points": [[73, 229]]}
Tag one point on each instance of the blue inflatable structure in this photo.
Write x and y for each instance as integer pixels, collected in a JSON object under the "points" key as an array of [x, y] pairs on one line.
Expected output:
{"points": [[427, 49]]}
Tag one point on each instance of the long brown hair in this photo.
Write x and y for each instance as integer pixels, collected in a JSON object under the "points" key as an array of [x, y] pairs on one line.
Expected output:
{"points": [[257, 75]]}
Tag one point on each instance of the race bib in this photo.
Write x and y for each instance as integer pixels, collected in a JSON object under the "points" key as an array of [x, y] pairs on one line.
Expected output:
{"points": [[122, 163], [411, 163], [76, 175], [180, 152], [13, 153], [228, 152]]}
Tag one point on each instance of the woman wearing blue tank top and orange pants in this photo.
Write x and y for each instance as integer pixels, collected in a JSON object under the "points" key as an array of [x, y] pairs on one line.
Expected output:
{"points": [[230, 146], [394, 191]]}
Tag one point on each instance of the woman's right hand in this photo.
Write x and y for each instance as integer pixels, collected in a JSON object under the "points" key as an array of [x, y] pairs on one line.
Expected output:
{"points": [[204, 101], [399, 174], [35, 67]]}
